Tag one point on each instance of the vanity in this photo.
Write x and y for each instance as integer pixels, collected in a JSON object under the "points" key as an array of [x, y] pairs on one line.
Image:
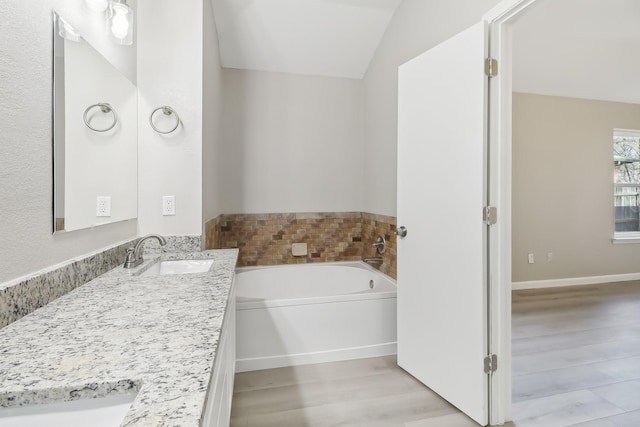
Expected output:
{"points": [[161, 345]]}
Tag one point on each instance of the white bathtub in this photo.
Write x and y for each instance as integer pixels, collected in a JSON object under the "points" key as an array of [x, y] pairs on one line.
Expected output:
{"points": [[313, 313]]}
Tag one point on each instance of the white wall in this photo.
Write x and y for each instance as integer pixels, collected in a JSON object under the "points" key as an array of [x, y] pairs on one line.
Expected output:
{"points": [[417, 26], [98, 163], [25, 152], [211, 113], [563, 187], [292, 143], [170, 73]]}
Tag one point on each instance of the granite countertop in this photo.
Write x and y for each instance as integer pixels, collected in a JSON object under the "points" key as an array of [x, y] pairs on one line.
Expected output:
{"points": [[120, 333]]}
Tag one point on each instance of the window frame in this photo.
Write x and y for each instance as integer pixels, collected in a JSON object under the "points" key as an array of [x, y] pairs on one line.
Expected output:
{"points": [[623, 237]]}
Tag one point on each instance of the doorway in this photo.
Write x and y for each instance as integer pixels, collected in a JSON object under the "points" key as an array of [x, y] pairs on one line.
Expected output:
{"points": [[570, 344], [498, 156]]}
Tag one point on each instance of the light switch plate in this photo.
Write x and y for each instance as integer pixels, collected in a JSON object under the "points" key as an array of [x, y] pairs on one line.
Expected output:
{"points": [[299, 249]]}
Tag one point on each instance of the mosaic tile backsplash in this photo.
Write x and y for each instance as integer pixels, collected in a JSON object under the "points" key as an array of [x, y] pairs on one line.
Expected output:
{"points": [[212, 233], [266, 239], [22, 296], [381, 225]]}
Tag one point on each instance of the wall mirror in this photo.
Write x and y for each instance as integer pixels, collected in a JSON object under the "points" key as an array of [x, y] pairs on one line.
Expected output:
{"points": [[94, 135]]}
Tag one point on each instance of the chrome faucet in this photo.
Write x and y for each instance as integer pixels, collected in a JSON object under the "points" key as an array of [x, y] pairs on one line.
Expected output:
{"points": [[380, 245], [134, 255], [373, 260]]}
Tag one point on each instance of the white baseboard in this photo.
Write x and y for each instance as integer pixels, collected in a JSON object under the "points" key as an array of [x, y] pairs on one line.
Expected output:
{"points": [[574, 281], [256, 364]]}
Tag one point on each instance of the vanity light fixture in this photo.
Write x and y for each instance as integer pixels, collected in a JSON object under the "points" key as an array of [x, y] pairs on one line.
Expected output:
{"points": [[67, 32], [120, 22]]}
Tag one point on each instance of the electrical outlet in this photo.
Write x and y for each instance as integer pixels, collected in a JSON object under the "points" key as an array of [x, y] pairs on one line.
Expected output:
{"points": [[168, 205], [103, 206], [549, 256], [530, 257]]}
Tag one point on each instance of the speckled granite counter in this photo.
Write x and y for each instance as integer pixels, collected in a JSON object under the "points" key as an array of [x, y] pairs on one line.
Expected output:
{"points": [[120, 333]]}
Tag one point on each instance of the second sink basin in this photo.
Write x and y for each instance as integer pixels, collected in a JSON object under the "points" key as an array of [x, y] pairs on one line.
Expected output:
{"points": [[185, 266], [102, 412]]}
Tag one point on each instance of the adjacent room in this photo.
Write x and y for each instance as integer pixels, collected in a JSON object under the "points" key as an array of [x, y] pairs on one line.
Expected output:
{"points": [[576, 301]]}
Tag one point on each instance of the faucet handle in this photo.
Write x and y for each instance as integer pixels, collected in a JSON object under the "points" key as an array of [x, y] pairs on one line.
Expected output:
{"points": [[129, 253], [130, 261], [380, 245]]}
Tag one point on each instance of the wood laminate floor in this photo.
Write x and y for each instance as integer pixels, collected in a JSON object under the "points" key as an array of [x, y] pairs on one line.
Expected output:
{"points": [[576, 362], [371, 392], [576, 356]]}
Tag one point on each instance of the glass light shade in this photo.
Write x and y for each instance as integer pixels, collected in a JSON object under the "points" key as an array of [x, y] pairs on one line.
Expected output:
{"points": [[120, 23], [67, 32], [97, 5]]}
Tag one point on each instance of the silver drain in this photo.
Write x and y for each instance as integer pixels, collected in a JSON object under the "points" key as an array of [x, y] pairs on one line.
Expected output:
{"points": [[371, 284]]}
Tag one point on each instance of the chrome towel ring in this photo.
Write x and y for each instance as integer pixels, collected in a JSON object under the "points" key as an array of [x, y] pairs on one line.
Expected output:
{"points": [[167, 111], [105, 108]]}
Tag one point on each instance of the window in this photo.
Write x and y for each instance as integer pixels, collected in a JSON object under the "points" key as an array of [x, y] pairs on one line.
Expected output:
{"points": [[626, 183]]}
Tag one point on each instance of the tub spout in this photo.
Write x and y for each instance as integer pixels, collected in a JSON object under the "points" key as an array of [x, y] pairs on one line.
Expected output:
{"points": [[373, 260]]}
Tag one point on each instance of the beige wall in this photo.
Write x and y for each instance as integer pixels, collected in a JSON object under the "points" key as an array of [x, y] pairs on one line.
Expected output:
{"points": [[292, 143], [563, 187], [417, 26], [275, 124]]}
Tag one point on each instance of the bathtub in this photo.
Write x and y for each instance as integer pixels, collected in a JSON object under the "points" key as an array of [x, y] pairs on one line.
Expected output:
{"points": [[313, 313]]}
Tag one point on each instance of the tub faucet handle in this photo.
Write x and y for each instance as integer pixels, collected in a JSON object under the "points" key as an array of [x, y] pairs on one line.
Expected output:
{"points": [[380, 244]]}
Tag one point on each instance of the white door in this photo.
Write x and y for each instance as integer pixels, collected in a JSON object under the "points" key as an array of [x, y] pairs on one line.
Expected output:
{"points": [[442, 304]]}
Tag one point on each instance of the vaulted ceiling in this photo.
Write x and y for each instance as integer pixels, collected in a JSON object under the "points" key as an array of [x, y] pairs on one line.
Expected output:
{"points": [[580, 49], [574, 48], [335, 38]]}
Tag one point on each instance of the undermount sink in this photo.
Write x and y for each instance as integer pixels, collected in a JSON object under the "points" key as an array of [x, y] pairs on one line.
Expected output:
{"points": [[184, 266], [102, 412]]}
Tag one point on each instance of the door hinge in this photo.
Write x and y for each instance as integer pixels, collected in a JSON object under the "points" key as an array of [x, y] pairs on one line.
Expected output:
{"points": [[490, 364], [490, 215], [490, 67]]}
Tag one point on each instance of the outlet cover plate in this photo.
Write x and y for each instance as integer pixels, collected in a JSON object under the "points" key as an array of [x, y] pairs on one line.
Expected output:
{"points": [[103, 206], [168, 205]]}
